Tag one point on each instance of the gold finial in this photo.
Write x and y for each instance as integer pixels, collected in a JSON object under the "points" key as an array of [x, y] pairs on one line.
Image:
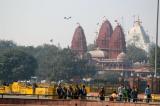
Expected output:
{"points": [[78, 24], [116, 21], [104, 18], [139, 21]]}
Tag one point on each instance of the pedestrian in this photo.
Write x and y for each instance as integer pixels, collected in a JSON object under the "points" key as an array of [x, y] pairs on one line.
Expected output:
{"points": [[83, 92], [129, 90], [134, 94], [76, 92], [120, 92], [148, 94], [34, 86], [124, 94], [102, 94], [59, 91], [64, 92], [70, 92]]}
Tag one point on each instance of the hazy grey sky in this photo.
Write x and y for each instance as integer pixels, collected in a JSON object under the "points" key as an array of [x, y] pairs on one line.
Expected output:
{"points": [[34, 22]]}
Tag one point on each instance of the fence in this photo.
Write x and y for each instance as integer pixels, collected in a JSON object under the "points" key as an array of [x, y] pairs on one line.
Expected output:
{"points": [[46, 99]]}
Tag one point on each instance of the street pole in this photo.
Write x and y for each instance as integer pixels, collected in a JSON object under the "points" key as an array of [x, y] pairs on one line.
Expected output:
{"points": [[155, 74]]}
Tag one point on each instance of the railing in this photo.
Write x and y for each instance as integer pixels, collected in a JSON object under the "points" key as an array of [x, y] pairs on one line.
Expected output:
{"points": [[55, 97]]}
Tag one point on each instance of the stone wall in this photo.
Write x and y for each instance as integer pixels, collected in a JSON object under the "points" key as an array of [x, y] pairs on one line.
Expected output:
{"points": [[46, 102]]}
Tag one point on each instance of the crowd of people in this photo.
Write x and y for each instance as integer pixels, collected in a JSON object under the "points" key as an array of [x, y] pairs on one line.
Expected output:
{"points": [[124, 93], [70, 92]]}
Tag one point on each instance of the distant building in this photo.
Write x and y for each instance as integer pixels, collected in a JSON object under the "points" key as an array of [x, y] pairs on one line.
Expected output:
{"points": [[79, 44], [110, 52], [138, 37], [112, 42], [104, 36], [117, 42]]}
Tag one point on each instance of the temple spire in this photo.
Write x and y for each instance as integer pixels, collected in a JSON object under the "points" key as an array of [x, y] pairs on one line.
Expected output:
{"points": [[78, 44]]}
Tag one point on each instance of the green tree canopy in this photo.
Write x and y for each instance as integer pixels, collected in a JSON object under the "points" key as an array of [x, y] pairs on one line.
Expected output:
{"points": [[61, 64], [47, 62], [91, 47], [16, 65], [7, 44], [136, 54]]}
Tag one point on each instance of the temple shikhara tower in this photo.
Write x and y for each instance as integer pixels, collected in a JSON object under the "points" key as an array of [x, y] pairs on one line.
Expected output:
{"points": [[137, 36], [117, 42], [109, 41], [78, 44], [104, 36]]}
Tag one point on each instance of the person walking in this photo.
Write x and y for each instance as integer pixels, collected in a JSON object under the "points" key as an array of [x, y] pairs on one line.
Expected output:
{"points": [[124, 93], [64, 92], [70, 92], [129, 90], [120, 92], [59, 91], [76, 92], [102, 94], [134, 94], [83, 92], [148, 94]]}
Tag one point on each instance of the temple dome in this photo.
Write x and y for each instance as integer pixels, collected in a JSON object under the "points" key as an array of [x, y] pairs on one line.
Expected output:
{"points": [[121, 57], [78, 44], [98, 53]]}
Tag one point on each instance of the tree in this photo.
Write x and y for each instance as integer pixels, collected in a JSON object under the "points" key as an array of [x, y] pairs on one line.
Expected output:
{"points": [[7, 44], [16, 65], [136, 54], [91, 47], [60, 64], [47, 62]]}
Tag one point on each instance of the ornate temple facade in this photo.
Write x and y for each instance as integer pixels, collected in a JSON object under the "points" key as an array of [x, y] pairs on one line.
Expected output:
{"points": [[110, 51], [112, 42], [104, 36], [110, 54], [117, 42], [79, 45], [137, 36]]}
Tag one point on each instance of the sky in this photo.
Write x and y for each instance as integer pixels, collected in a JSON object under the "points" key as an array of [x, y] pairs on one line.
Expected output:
{"points": [[35, 22]]}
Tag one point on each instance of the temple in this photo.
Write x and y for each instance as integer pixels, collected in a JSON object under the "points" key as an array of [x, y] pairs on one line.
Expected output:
{"points": [[79, 45], [109, 55], [117, 42], [137, 36], [104, 36], [110, 52]]}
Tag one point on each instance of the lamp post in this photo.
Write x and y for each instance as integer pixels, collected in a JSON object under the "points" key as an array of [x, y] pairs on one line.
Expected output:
{"points": [[155, 74]]}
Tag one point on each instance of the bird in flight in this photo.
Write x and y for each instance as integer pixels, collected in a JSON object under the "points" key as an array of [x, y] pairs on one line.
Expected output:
{"points": [[67, 18]]}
